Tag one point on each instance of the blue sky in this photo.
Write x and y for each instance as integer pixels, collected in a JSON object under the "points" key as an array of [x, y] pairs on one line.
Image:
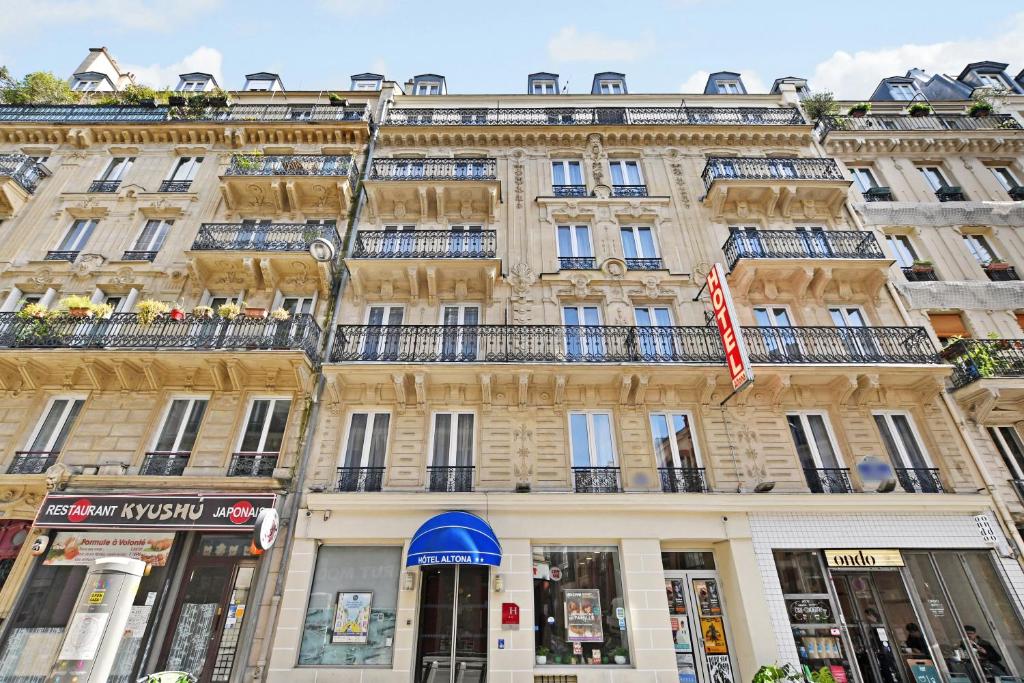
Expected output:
{"points": [[662, 45]]}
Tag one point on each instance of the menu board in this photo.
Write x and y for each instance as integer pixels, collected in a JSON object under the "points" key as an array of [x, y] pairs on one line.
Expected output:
{"points": [[192, 637], [83, 548]]}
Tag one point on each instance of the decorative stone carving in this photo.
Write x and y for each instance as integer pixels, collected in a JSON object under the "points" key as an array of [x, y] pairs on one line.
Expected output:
{"points": [[522, 439], [614, 268], [680, 179], [57, 477], [43, 277], [518, 176], [597, 156], [87, 264]]}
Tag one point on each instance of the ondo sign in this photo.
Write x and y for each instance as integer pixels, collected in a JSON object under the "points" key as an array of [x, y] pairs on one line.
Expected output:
{"points": [[179, 512], [847, 559], [729, 328]]}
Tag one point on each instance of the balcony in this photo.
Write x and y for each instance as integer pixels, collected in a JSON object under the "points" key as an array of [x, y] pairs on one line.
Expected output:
{"points": [[988, 361], [133, 255], [104, 185], [1001, 272], [252, 464], [360, 479], [788, 187], [595, 479], [61, 256], [828, 479], [165, 463], [124, 331], [595, 116], [306, 183], [577, 263], [629, 190], [450, 479], [919, 274], [19, 177], [951, 193], [644, 264], [839, 345], [285, 113], [683, 479], [174, 186], [421, 244], [258, 256], [803, 263], [569, 191], [942, 122], [878, 194], [460, 189], [32, 462], [919, 479], [1017, 193]]}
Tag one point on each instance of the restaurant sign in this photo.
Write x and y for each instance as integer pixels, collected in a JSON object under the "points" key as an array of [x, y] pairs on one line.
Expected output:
{"points": [[858, 559], [172, 512]]}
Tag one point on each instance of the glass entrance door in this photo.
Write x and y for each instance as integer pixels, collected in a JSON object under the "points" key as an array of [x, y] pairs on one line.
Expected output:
{"points": [[699, 629], [452, 644]]}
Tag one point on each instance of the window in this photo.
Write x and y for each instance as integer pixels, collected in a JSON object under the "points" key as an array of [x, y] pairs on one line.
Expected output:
{"points": [[52, 431], [367, 440], [580, 341], [566, 173], [383, 344], [365, 85], [192, 86], [675, 445], [772, 317], [934, 177], [574, 242], [186, 168], [590, 436], [181, 425], [428, 88], [728, 87], [847, 316], [297, 305], [626, 173], [78, 235], [1006, 177], [260, 85], [117, 169], [82, 85], [864, 178], [902, 249], [902, 91], [459, 339], [575, 615], [340, 569], [777, 338], [264, 427], [979, 248], [1010, 445], [638, 243], [992, 81], [819, 457], [452, 450], [153, 235], [913, 467], [610, 87], [543, 87]]}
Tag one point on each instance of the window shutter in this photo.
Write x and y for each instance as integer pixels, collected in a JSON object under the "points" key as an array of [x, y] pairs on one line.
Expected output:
{"points": [[948, 325], [1020, 321]]}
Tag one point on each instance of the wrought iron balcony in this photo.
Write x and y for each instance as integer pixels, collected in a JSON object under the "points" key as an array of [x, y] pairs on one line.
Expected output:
{"points": [[950, 122], [32, 462], [569, 191], [61, 255], [975, 359], [951, 193], [450, 479], [104, 185], [1017, 193], [139, 255], [435, 169], [919, 479], [769, 168], [828, 479], [643, 264], [1018, 486], [263, 237], [629, 190], [74, 113], [353, 479], [25, 171], [591, 116], [800, 244], [417, 244], [595, 479], [252, 464], [878, 194], [292, 165], [175, 185], [290, 112], [919, 274], [1001, 273], [577, 263], [124, 331], [839, 345], [79, 113], [165, 463], [683, 480]]}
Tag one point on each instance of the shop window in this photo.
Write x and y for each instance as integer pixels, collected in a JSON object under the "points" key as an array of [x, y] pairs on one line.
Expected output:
{"points": [[579, 606], [353, 605]]}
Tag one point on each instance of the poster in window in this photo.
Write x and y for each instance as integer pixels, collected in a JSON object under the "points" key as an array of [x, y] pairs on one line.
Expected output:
{"points": [[681, 634], [713, 631], [687, 669], [583, 616], [352, 619], [674, 595], [708, 601], [719, 669]]}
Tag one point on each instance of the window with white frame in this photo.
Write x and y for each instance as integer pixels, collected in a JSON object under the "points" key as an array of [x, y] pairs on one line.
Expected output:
{"points": [[772, 316], [51, 433], [365, 85], [543, 87], [902, 91], [581, 342], [192, 86], [864, 178], [1010, 445], [153, 235], [260, 85], [816, 448], [728, 87], [979, 248], [574, 241], [903, 445], [638, 242], [934, 177], [116, 169], [992, 81], [452, 444], [778, 339], [902, 249], [610, 87], [847, 316], [185, 169], [566, 173], [265, 425], [78, 235], [626, 172], [590, 438], [367, 440], [85, 85], [181, 425], [297, 305], [675, 445], [1006, 177], [428, 88]]}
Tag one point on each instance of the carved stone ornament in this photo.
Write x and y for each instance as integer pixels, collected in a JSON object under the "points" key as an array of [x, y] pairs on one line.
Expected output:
{"points": [[87, 264], [57, 477], [43, 277], [521, 277], [518, 176], [614, 268]]}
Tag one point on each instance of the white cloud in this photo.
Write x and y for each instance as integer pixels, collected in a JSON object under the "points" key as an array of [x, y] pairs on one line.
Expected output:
{"points": [[20, 16], [571, 45], [856, 75], [205, 59], [751, 79]]}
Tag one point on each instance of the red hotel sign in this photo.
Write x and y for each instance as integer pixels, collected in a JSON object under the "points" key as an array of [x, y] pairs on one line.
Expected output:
{"points": [[729, 328]]}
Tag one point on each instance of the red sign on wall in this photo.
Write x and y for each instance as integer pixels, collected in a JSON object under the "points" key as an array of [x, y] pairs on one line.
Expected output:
{"points": [[729, 329], [509, 614]]}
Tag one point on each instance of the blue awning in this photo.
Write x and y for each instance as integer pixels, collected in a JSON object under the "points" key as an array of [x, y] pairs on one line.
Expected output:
{"points": [[454, 538]]}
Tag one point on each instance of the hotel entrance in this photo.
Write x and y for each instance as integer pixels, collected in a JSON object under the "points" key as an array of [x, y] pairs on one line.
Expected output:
{"points": [[452, 643]]}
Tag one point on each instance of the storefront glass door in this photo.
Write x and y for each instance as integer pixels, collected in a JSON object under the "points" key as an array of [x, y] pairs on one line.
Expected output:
{"points": [[452, 644], [697, 616]]}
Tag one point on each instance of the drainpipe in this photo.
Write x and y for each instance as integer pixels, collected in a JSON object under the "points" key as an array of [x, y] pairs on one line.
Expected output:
{"points": [[290, 511]]}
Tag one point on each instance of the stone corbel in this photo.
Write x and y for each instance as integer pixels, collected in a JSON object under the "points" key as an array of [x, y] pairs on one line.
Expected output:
{"points": [[440, 199], [802, 279], [708, 390], [982, 404], [233, 368], [781, 197], [626, 383], [560, 391], [398, 381], [775, 385], [929, 388], [432, 285], [866, 384], [420, 383], [524, 389], [485, 390], [422, 195], [412, 273], [640, 396], [842, 388]]}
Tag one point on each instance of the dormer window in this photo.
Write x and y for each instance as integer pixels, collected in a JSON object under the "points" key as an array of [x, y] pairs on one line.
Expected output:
{"points": [[260, 86], [428, 88], [365, 85], [543, 87], [85, 85], [729, 88], [192, 86], [902, 91], [994, 81], [610, 87]]}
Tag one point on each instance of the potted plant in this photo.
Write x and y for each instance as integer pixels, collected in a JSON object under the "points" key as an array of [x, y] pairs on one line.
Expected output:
{"points": [[217, 99], [980, 108], [280, 314], [919, 109], [619, 654], [922, 266], [337, 100], [149, 310], [177, 313], [176, 100], [250, 161], [229, 311], [771, 673], [102, 310], [204, 312], [820, 105], [254, 312], [77, 306], [860, 109], [997, 264], [542, 654], [32, 311]]}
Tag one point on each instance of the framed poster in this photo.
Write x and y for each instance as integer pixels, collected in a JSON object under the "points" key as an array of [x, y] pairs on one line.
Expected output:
{"points": [[681, 634], [719, 669], [713, 631], [709, 603], [352, 618], [675, 597], [583, 615]]}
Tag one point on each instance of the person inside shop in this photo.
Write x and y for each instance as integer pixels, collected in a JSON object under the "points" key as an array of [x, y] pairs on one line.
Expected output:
{"points": [[915, 642], [987, 654]]}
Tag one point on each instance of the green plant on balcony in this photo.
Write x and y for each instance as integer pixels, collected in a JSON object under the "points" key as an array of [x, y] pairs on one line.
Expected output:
{"points": [[980, 108], [978, 359], [202, 312], [149, 310], [280, 314], [860, 109], [102, 310], [336, 100], [136, 95], [919, 109], [37, 325], [77, 306], [819, 105], [922, 266], [250, 161], [229, 310]]}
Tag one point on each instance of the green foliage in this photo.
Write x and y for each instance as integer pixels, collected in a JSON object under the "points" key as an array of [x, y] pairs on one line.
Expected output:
{"points": [[135, 95], [919, 107], [822, 675], [983, 358], [820, 105], [861, 106], [980, 108], [38, 87], [772, 673]]}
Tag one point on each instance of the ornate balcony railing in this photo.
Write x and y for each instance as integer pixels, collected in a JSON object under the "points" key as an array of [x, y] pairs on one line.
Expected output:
{"points": [[595, 479], [450, 479], [644, 264], [839, 345], [124, 331], [955, 122], [828, 479], [353, 479], [975, 359], [800, 244], [920, 275], [569, 190], [1001, 273], [76, 113], [252, 464], [32, 462], [104, 185], [878, 194], [416, 244], [175, 185], [61, 255], [1016, 193], [292, 112], [292, 165], [135, 255], [629, 190], [769, 168], [165, 463], [80, 113], [1018, 486], [919, 479], [951, 193], [23, 169], [435, 169], [577, 263], [591, 116], [683, 480], [263, 237]]}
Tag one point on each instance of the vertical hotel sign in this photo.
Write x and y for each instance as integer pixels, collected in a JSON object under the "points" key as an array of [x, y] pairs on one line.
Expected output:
{"points": [[729, 329]]}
